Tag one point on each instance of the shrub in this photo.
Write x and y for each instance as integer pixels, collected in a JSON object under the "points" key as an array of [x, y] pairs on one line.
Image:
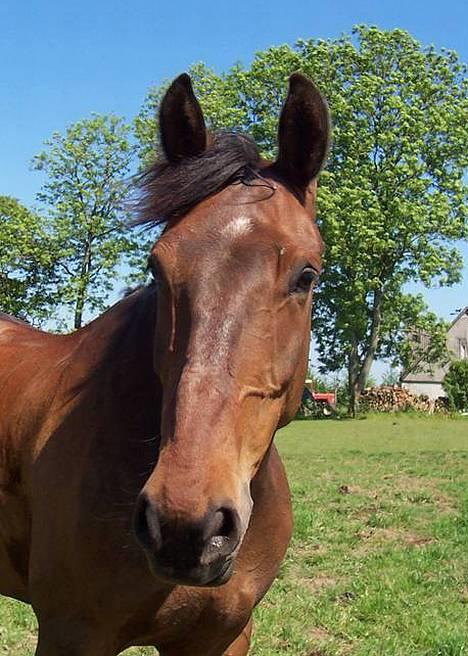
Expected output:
{"points": [[456, 385]]}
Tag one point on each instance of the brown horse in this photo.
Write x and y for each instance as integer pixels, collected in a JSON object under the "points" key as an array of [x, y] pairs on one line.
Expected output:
{"points": [[142, 501]]}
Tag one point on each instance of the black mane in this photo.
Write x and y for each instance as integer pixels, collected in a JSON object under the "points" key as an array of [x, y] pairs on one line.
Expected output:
{"points": [[168, 191]]}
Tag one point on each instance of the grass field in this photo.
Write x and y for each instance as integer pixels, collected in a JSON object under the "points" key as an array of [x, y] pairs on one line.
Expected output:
{"points": [[379, 561]]}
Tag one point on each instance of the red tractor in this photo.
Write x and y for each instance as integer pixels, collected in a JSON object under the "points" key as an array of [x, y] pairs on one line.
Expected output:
{"points": [[317, 403]]}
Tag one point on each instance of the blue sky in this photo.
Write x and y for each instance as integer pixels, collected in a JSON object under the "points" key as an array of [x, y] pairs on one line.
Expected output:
{"points": [[63, 60]]}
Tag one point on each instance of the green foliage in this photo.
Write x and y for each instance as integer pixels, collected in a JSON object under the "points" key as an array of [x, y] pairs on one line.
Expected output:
{"points": [[393, 197], [456, 385], [84, 194], [318, 382], [411, 335], [27, 259], [391, 377]]}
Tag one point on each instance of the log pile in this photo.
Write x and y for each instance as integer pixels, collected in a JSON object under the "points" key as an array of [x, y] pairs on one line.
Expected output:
{"points": [[441, 404], [389, 398]]}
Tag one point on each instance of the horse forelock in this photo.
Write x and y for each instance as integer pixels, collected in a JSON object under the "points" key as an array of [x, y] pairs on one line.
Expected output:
{"points": [[167, 191]]}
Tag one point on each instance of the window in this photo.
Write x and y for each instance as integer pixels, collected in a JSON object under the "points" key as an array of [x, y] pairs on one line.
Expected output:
{"points": [[463, 350]]}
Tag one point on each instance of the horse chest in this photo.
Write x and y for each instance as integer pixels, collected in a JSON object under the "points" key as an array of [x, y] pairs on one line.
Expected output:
{"points": [[187, 614]]}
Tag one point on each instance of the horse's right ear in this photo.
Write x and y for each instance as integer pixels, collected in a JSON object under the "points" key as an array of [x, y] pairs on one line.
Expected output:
{"points": [[304, 133], [181, 123]]}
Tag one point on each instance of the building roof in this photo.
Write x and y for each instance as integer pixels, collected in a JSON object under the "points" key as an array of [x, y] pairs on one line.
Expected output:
{"points": [[462, 313], [435, 373]]}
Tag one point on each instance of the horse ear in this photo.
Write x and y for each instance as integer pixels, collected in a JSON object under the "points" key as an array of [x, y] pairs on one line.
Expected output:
{"points": [[304, 132], [181, 123]]}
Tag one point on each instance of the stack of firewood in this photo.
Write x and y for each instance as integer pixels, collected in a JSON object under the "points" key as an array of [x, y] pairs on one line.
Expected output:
{"points": [[441, 404], [388, 398]]}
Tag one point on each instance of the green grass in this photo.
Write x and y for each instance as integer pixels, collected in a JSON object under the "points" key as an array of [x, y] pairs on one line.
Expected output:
{"points": [[379, 560]]}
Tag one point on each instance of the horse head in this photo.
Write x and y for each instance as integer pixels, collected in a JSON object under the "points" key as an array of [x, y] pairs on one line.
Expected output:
{"points": [[235, 268]]}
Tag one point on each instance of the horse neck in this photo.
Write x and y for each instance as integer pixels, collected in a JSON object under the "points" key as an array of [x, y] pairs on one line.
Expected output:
{"points": [[111, 400], [116, 349]]}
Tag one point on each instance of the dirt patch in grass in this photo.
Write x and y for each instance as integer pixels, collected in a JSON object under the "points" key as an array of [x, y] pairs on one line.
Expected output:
{"points": [[304, 550], [416, 540], [26, 645], [345, 488], [321, 640], [318, 636], [372, 538], [423, 490], [364, 513], [318, 583], [411, 489]]}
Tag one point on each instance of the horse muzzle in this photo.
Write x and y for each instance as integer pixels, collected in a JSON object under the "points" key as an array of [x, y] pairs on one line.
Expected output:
{"points": [[183, 551]]}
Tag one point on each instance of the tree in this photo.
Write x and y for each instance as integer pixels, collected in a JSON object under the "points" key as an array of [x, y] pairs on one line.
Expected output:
{"points": [[392, 199], [456, 385], [26, 263], [84, 194]]}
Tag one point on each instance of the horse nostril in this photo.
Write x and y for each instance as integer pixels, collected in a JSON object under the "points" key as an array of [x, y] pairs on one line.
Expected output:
{"points": [[229, 522], [222, 532], [146, 524], [180, 548]]}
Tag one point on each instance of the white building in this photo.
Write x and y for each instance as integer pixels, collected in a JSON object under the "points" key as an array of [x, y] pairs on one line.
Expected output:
{"points": [[428, 380]]}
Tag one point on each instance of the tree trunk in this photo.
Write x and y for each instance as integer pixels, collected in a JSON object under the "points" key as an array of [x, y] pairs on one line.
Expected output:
{"points": [[83, 286], [373, 341], [79, 306], [358, 371], [353, 372]]}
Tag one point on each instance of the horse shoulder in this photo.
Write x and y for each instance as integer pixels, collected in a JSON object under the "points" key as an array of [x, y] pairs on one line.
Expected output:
{"points": [[270, 527], [28, 360]]}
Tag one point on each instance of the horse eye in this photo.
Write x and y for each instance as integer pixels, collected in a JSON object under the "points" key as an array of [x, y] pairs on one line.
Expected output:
{"points": [[304, 282]]}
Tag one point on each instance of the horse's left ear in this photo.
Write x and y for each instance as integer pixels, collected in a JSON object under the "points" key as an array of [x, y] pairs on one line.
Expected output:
{"points": [[304, 133], [181, 123]]}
